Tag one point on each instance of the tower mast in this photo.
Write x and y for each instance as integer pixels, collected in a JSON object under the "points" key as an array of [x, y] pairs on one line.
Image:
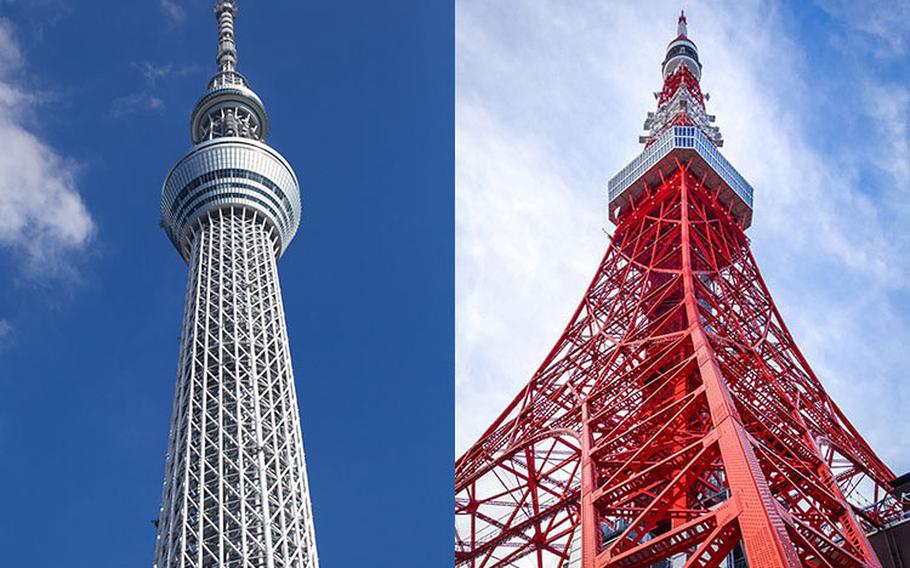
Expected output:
{"points": [[675, 422], [235, 488]]}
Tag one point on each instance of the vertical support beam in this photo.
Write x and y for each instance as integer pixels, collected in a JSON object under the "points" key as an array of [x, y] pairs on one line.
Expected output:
{"points": [[590, 531], [764, 534], [847, 518]]}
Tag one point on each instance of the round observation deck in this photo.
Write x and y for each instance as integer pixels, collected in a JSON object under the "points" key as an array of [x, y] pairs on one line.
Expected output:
{"points": [[225, 173], [229, 108], [682, 51]]}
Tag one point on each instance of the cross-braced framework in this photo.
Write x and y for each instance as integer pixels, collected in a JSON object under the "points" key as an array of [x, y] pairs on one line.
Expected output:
{"points": [[674, 419], [235, 488], [675, 422]]}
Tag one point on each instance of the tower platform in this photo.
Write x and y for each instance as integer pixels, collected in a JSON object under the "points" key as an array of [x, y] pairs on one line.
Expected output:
{"points": [[688, 145]]}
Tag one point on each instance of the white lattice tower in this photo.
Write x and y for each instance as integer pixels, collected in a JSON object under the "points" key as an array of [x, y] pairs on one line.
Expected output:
{"points": [[235, 488]]}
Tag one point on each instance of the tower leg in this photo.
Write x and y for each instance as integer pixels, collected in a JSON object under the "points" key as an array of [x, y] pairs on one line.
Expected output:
{"points": [[590, 531], [764, 534]]}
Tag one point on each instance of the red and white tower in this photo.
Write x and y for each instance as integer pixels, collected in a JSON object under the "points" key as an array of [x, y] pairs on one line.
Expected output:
{"points": [[675, 422]]}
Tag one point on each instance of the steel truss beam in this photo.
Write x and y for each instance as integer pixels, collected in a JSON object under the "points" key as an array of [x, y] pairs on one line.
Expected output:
{"points": [[235, 490], [674, 418]]}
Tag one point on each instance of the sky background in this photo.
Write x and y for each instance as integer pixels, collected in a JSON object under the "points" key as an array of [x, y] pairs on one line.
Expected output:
{"points": [[813, 100], [95, 99]]}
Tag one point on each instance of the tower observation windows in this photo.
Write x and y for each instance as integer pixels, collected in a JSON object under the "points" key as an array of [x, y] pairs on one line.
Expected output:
{"points": [[682, 49], [657, 158], [230, 171]]}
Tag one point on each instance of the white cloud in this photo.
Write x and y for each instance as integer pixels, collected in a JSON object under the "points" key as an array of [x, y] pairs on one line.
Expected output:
{"points": [[174, 11], [135, 102], [511, 200], [550, 100], [147, 99], [6, 331], [10, 54], [43, 220], [889, 106], [153, 72], [881, 26]]}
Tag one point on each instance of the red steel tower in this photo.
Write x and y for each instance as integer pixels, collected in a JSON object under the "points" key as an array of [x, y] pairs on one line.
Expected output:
{"points": [[675, 422]]}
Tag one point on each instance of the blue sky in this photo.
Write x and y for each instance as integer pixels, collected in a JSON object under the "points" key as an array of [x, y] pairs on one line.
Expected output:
{"points": [[813, 100], [94, 105]]}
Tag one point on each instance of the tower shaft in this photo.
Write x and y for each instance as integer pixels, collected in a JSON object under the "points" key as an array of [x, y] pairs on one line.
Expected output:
{"points": [[235, 487]]}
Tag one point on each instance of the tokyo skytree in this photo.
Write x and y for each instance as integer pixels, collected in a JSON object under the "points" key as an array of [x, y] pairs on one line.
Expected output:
{"points": [[235, 487]]}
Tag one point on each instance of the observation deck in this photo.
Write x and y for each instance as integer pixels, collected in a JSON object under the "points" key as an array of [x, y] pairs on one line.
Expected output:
{"points": [[689, 145], [230, 167], [225, 173]]}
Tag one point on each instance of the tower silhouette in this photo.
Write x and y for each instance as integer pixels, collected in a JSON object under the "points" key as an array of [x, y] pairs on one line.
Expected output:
{"points": [[235, 486], [675, 422]]}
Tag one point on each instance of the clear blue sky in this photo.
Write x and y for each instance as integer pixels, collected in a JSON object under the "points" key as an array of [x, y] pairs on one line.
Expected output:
{"points": [[360, 94]]}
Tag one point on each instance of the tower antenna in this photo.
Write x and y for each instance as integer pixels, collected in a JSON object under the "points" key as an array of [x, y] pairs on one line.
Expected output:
{"points": [[226, 12]]}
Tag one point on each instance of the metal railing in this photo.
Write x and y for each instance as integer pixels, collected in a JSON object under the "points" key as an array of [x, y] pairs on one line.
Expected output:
{"points": [[683, 137]]}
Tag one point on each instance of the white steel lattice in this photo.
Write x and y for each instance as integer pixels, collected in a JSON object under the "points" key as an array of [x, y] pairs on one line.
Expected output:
{"points": [[235, 490]]}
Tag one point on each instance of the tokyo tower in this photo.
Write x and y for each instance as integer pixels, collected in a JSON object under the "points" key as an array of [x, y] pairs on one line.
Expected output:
{"points": [[675, 422], [235, 486]]}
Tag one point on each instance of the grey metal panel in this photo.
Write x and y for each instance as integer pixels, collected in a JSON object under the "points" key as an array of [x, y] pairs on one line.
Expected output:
{"points": [[230, 172], [680, 137], [892, 545]]}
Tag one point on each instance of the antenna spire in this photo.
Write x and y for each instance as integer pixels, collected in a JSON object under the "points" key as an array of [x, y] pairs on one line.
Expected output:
{"points": [[228, 107], [225, 11], [682, 29]]}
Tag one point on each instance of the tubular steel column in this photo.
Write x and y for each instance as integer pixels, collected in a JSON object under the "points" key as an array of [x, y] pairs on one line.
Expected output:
{"points": [[235, 487]]}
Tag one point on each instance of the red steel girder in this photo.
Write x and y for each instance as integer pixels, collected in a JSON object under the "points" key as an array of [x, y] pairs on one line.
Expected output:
{"points": [[674, 416]]}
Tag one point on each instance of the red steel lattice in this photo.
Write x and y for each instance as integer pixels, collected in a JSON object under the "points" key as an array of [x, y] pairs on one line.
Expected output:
{"points": [[675, 422], [675, 415]]}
